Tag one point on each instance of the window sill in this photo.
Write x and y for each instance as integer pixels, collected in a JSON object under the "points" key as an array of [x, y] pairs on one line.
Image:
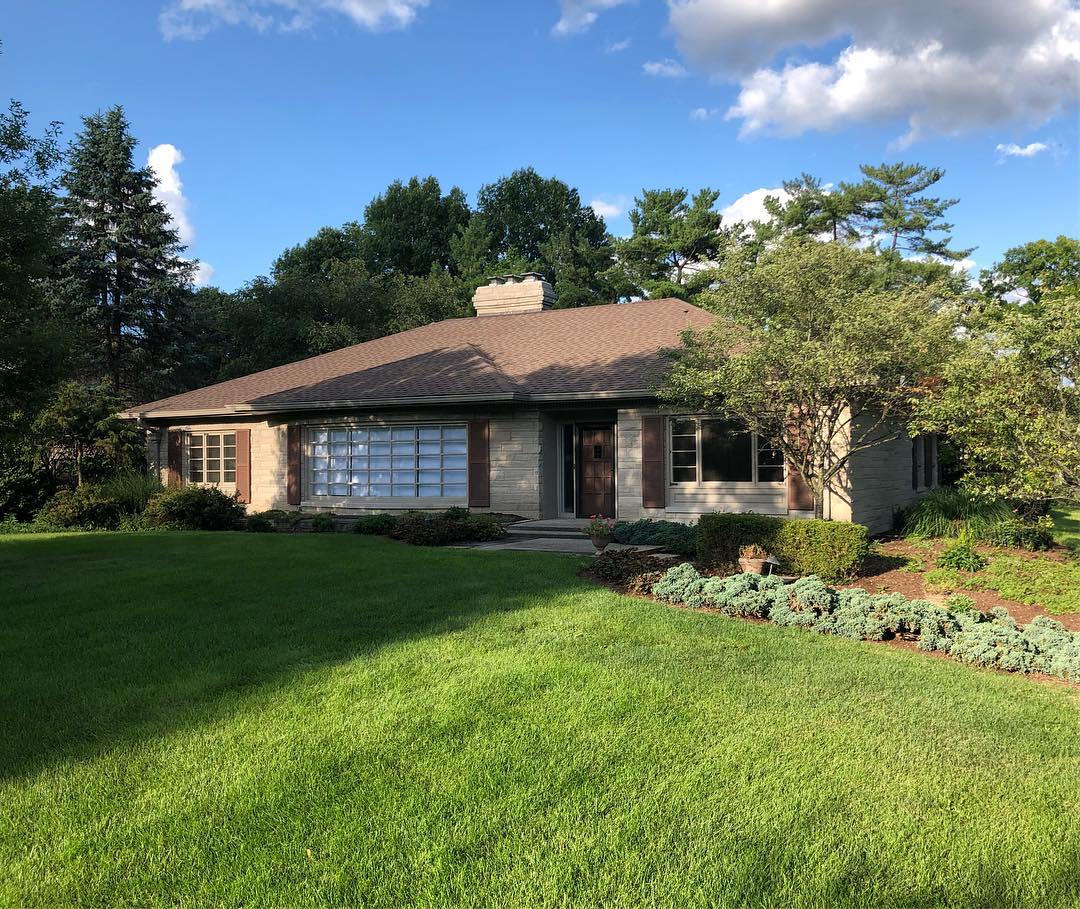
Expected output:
{"points": [[384, 504]]}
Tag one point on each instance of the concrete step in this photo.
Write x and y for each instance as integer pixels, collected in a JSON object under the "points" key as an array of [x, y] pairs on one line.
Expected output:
{"points": [[545, 533]]}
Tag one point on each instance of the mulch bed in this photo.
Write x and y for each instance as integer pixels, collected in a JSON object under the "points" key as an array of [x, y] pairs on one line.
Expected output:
{"points": [[884, 573]]}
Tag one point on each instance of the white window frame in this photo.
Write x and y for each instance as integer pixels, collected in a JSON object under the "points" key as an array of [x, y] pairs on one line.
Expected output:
{"points": [[453, 475], [203, 435], [698, 481]]}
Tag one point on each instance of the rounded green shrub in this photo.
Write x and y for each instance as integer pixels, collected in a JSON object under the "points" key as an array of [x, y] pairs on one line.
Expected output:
{"points": [[323, 523], [86, 508], [195, 508], [259, 523], [674, 537], [379, 524]]}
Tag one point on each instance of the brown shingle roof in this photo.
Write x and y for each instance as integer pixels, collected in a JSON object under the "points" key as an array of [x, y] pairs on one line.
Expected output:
{"points": [[603, 350]]}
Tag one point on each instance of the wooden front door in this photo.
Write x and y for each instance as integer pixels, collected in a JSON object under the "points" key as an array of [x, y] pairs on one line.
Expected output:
{"points": [[596, 471]]}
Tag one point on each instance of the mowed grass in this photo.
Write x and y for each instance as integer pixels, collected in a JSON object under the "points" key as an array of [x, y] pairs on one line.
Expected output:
{"points": [[1067, 526], [280, 720]]}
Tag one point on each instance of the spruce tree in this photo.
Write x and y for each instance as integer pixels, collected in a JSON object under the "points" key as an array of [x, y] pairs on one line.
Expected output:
{"points": [[124, 263]]}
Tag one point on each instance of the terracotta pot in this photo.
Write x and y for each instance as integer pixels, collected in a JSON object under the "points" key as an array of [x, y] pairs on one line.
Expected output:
{"points": [[600, 542], [753, 566]]}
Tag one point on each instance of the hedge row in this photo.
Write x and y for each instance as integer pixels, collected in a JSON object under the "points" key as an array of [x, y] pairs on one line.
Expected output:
{"points": [[832, 550], [993, 640]]}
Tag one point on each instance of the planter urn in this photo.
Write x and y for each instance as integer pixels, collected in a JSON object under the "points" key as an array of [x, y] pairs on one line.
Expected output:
{"points": [[753, 566], [600, 543]]}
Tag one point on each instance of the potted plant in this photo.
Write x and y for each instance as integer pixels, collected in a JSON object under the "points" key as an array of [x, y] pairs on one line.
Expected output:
{"points": [[752, 558], [599, 530]]}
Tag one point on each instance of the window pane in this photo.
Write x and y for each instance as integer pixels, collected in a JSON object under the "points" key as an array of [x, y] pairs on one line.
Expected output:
{"points": [[683, 427], [453, 461], [407, 491], [320, 450], [339, 448], [320, 476], [453, 476], [770, 474], [380, 435], [319, 435], [339, 435], [453, 432], [339, 490], [359, 448], [431, 461], [382, 476], [380, 448], [453, 448], [430, 447], [339, 476], [339, 463], [684, 458], [320, 463], [213, 473], [770, 465], [430, 476], [358, 476], [404, 476], [726, 452], [430, 432], [320, 489], [403, 432], [408, 461], [379, 463], [196, 471], [229, 439], [229, 475], [380, 490], [684, 474], [359, 489], [359, 435], [430, 491], [457, 491]]}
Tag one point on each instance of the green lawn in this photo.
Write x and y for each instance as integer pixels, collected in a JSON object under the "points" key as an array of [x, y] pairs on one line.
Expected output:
{"points": [[1067, 526], [289, 720]]}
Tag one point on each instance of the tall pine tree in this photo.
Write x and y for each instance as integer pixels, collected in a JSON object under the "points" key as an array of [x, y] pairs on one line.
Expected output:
{"points": [[124, 264]]}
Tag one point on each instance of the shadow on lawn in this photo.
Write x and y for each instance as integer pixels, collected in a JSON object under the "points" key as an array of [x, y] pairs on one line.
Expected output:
{"points": [[107, 639]]}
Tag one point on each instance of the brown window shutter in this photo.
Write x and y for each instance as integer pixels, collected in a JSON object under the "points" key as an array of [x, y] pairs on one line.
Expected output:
{"points": [[928, 461], [175, 465], [479, 464], [799, 495], [653, 481], [292, 478], [243, 465]]}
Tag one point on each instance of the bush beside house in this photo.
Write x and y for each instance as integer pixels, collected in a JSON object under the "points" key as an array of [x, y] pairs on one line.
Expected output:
{"points": [[832, 550]]}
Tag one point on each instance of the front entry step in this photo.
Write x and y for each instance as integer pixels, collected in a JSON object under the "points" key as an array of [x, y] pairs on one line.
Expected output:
{"points": [[553, 528]]}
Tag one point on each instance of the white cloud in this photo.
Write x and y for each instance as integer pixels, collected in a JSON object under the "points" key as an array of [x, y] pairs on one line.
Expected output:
{"points": [[943, 67], [610, 208], [1012, 150], [667, 69], [617, 46], [579, 15], [194, 19], [704, 113], [204, 273], [163, 160], [751, 206]]}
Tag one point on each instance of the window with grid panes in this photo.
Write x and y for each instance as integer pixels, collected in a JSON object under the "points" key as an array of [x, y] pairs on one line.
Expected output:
{"points": [[212, 457], [720, 451], [422, 461]]}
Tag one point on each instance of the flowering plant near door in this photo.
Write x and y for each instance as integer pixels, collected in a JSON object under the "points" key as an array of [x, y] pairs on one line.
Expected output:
{"points": [[599, 530]]}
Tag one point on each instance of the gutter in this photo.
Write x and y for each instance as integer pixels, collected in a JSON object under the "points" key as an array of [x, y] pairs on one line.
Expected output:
{"points": [[375, 403]]}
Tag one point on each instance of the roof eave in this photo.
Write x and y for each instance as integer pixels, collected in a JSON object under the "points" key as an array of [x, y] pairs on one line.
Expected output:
{"points": [[249, 409]]}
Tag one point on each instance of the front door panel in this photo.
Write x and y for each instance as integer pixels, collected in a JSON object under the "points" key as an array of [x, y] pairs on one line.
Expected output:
{"points": [[596, 471]]}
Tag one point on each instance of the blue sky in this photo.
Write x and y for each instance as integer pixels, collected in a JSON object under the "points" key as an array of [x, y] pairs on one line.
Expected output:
{"points": [[292, 114]]}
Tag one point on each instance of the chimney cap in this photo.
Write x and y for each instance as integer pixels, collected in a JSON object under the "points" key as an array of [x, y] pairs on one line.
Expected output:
{"points": [[505, 294]]}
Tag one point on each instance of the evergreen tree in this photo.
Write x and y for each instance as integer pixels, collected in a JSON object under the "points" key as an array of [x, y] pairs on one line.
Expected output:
{"points": [[123, 265], [675, 240], [815, 210]]}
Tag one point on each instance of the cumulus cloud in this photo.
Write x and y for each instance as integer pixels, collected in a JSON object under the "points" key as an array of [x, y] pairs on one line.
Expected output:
{"points": [[751, 206], [612, 208], [163, 160], [617, 46], [666, 69], [579, 15], [704, 113], [943, 67], [193, 19], [1012, 150]]}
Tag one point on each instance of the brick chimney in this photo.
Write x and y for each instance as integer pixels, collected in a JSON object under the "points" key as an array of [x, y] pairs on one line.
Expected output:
{"points": [[505, 294]]}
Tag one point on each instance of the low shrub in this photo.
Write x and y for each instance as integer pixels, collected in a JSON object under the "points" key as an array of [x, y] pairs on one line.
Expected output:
{"points": [[380, 524], [259, 523], [323, 523], [1035, 535], [136, 523], [993, 641], [444, 528], [194, 508], [832, 550], [958, 602], [949, 510], [131, 490], [961, 556], [680, 539], [86, 508]]}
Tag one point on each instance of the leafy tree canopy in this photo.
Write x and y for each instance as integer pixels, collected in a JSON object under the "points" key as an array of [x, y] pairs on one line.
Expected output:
{"points": [[819, 349]]}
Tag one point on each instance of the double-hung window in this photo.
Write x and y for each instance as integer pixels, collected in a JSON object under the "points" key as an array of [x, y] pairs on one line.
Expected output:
{"points": [[423, 461], [212, 457], [713, 450]]}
